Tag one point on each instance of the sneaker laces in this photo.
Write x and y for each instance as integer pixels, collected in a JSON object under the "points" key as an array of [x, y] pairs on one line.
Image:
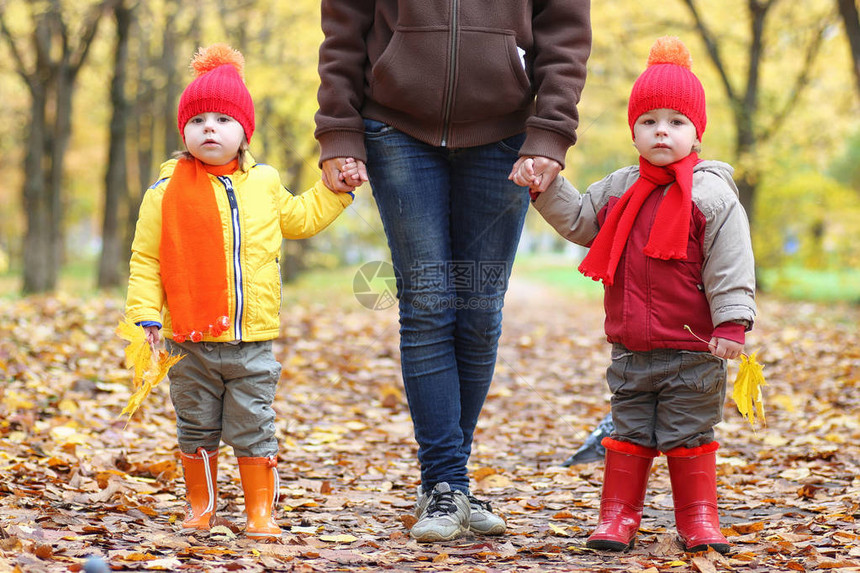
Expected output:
{"points": [[442, 502], [485, 505]]}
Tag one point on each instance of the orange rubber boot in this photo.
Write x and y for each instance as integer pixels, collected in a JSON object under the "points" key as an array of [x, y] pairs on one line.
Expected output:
{"points": [[693, 473], [260, 483], [625, 480], [201, 487]]}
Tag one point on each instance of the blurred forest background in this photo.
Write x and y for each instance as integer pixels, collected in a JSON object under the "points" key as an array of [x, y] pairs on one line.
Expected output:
{"points": [[89, 91]]}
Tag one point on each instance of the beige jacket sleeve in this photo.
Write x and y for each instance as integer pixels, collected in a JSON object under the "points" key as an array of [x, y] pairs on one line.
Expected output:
{"points": [[572, 214]]}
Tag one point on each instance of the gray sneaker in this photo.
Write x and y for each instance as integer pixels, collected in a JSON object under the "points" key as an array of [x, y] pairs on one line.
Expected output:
{"points": [[442, 514], [483, 520]]}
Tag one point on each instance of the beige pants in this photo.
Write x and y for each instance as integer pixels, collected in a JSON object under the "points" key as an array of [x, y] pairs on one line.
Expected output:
{"points": [[666, 398], [224, 391]]}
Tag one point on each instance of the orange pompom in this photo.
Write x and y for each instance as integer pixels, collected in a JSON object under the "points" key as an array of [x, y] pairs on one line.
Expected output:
{"points": [[207, 59], [670, 50]]}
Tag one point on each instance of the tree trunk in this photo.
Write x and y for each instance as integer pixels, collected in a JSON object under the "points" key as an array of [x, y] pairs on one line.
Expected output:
{"points": [[745, 149], [851, 20], [116, 178], [749, 120], [144, 114], [172, 140], [50, 79], [36, 248]]}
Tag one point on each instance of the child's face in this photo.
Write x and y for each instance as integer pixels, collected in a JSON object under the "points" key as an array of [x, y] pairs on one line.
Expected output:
{"points": [[213, 138], [663, 136]]}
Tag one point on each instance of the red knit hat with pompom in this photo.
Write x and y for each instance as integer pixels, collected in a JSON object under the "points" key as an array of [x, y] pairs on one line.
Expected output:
{"points": [[217, 88], [669, 83]]}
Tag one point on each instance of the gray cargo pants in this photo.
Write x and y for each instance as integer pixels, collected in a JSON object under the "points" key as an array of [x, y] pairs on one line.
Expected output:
{"points": [[666, 398], [224, 391]]}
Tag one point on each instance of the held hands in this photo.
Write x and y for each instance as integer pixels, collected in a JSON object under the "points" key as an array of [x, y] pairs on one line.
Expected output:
{"points": [[725, 348], [343, 174], [535, 172]]}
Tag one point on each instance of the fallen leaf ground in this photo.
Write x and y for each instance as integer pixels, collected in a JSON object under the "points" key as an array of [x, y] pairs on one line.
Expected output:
{"points": [[76, 481]]}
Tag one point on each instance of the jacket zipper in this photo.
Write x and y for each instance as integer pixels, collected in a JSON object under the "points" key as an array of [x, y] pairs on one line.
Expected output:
{"points": [[237, 263], [449, 91]]}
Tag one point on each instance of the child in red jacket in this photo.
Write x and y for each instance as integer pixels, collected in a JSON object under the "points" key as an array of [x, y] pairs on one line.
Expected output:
{"points": [[671, 243]]}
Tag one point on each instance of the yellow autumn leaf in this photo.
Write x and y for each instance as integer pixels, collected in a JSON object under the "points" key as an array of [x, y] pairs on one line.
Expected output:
{"points": [[138, 352], [303, 529], [747, 389], [341, 538], [150, 380], [150, 367]]}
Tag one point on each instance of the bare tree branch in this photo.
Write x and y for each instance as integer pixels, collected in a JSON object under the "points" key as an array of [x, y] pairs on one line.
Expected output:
{"points": [[20, 66], [801, 82], [713, 49], [91, 24]]}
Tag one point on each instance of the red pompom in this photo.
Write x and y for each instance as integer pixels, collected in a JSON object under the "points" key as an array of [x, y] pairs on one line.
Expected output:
{"points": [[209, 58], [670, 50]]}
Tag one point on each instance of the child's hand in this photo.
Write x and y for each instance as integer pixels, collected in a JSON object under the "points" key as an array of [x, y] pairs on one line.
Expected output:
{"points": [[523, 173], [353, 172], [725, 348], [152, 335], [536, 173], [333, 177]]}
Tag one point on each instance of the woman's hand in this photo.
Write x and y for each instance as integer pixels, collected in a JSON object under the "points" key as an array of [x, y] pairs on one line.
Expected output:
{"points": [[343, 174]]}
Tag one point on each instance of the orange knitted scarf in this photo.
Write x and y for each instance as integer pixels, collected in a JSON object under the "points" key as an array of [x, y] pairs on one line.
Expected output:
{"points": [[670, 231], [193, 263]]}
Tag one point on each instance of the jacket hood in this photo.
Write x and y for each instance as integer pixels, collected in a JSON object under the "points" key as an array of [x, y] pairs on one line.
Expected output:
{"points": [[166, 169], [722, 170]]}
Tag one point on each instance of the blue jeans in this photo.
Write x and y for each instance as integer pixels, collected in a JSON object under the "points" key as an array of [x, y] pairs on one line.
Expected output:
{"points": [[453, 222]]}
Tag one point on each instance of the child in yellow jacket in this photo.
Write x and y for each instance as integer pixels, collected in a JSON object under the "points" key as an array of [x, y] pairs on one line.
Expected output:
{"points": [[204, 272]]}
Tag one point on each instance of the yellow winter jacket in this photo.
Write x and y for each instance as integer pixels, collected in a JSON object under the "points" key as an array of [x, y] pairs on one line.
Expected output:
{"points": [[257, 212]]}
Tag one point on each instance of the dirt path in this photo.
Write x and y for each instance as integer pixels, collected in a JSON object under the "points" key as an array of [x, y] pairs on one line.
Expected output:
{"points": [[76, 481]]}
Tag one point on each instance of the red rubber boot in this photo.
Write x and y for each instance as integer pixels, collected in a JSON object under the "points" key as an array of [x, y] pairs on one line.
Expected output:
{"points": [[625, 479], [201, 487], [260, 484], [693, 473]]}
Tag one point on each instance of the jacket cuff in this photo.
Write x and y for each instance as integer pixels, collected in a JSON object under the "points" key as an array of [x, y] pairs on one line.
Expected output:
{"points": [[734, 331], [545, 143], [342, 144]]}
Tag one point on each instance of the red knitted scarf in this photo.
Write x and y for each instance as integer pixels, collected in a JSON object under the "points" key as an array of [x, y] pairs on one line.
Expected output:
{"points": [[193, 263], [671, 229]]}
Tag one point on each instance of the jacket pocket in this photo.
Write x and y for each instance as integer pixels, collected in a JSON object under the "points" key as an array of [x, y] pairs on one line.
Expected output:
{"points": [[702, 371], [411, 74], [616, 373], [491, 77], [264, 298]]}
